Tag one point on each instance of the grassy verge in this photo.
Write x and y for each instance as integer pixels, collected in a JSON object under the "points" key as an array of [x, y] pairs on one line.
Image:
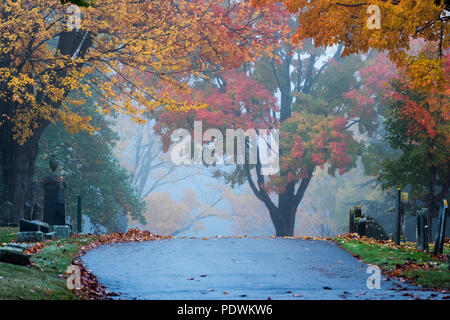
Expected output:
{"points": [[401, 261], [8, 234], [42, 280]]}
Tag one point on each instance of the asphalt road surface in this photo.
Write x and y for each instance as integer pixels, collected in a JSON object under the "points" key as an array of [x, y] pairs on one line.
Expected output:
{"points": [[239, 268]]}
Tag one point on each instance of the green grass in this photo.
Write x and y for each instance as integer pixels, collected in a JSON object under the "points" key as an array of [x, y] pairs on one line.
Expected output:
{"points": [[8, 234], [40, 281], [391, 258]]}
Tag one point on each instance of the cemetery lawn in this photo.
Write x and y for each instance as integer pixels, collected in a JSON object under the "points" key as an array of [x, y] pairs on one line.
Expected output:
{"points": [[8, 234], [401, 261], [43, 280]]}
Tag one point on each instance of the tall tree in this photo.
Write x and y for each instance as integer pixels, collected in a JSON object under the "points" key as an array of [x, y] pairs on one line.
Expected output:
{"points": [[314, 117], [418, 126], [107, 49]]}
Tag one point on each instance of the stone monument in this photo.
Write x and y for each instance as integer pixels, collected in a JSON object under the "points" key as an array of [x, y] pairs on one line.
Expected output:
{"points": [[54, 205], [54, 217]]}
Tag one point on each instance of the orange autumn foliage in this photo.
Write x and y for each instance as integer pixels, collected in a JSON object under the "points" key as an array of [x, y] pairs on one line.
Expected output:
{"points": [[43, 60]]}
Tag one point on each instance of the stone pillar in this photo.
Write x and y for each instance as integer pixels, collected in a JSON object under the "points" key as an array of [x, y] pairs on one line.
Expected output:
{"points": [[54, 203]]}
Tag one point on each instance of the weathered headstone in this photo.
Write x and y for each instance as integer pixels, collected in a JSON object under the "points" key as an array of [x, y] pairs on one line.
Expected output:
{"points": [[440, 234], [54, 205], [20, 246], [362, 226], [30, 236], [419, 231], [401, 217], [62, 232], [422, 229], [375, 230], [34, 225], [50, 236], [14, 256], [351, 223]]}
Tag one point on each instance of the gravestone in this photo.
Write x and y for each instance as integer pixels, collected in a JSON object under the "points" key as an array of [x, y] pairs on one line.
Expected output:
{"points": [[351, 228], [362, 226], [50, 236], [62, 232], [375, 230], [365, 225], [20, 246], [30, 236], [14, 256], [54, 205], [54, 216], [34, 225], [422, 229], [440, 232]]}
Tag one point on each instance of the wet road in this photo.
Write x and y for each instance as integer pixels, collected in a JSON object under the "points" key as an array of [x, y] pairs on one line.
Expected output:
{"points": [[237, 268]]}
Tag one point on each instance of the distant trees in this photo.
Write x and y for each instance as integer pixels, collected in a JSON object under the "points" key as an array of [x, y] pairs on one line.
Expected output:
{"points": [[417, 122], [418, 125], [315, 119]]}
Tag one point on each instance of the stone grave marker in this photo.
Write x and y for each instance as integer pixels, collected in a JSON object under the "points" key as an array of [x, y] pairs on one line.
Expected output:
{"points": [[14, 255], [440, 232]]}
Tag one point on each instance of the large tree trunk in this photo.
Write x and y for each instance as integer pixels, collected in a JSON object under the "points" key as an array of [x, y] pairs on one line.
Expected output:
{"points": [[17, 161], [284, 213], [17, 168]]}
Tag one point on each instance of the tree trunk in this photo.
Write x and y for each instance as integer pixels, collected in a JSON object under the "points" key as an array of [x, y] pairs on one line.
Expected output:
{"points": [[17, 168], [283, 216], [284, 226], [17, 161]]}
